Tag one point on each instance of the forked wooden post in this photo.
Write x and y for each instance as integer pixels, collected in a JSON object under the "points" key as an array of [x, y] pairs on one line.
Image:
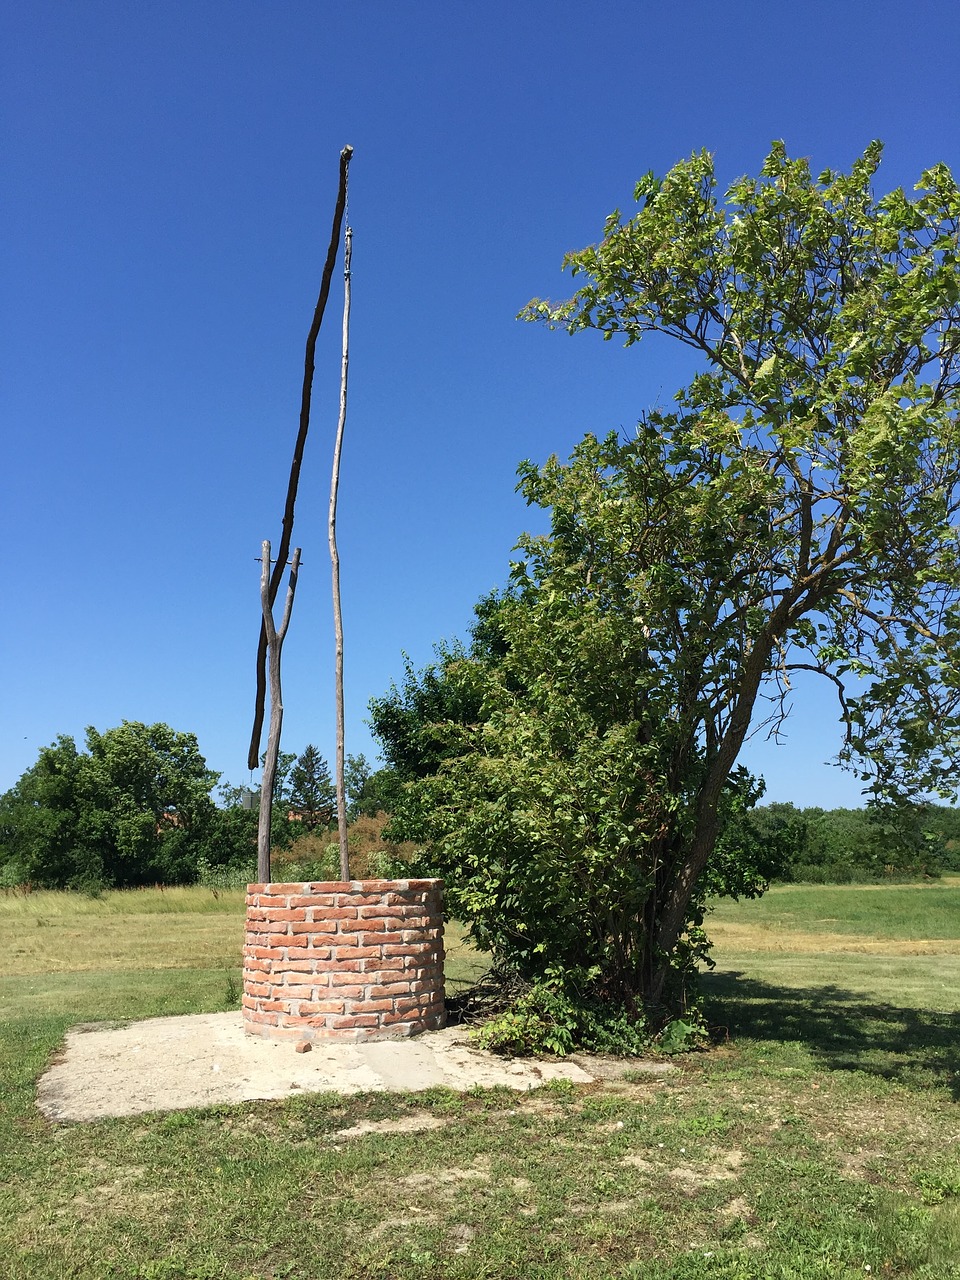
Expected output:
{"points": [[275, 637]]}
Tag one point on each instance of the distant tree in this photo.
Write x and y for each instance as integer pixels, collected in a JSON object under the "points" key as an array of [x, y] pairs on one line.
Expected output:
{"points": [[370, 791], [356, 776], [312, 795], [135, 808], [409, 720], [281, 782], [233, 836]]}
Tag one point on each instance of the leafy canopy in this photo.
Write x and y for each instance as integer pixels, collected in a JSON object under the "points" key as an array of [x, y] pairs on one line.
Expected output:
{"points": [[801, 500], [796, 510], [134, 808]]}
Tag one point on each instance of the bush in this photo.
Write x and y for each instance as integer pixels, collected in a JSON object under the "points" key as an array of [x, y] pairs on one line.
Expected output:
{"points": [[316, 854], [545, 1019]]}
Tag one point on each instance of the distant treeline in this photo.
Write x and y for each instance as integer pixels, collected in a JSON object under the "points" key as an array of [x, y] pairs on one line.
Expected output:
{"points": [[837, 846], [137, 806]]}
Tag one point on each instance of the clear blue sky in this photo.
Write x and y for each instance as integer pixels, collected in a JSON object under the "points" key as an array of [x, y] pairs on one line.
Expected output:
{"points": [[169, 173]]}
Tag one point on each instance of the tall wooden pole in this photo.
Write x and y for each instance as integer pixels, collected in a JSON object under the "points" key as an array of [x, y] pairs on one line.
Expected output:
{"points": [[335, 562], [253, 754]]}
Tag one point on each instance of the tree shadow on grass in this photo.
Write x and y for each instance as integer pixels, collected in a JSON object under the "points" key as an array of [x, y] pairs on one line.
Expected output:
{"points": [[841, 1030]]}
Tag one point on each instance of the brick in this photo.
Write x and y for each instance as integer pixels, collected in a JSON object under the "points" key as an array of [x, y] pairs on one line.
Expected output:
{"points": [[263, 1019], [411, 1005], [271, 900], [346, 940], [382, 912], [355, 1020], [419, 987], [313, 900], [336, 965], [251, 989], [338, 913], [375, 1006], [340, 986], [366, 953], [313, 926], [362, 926], [288, 913], [294, 991], [419, 935], [267, 953], [359, 900], [285, 887], [310, 1009], [391, 989], [382, 965], [285, 1033]]}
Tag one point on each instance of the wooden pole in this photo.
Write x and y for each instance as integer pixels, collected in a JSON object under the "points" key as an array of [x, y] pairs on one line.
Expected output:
{"points": [[335, 562], [253, 754], [275, 637]]}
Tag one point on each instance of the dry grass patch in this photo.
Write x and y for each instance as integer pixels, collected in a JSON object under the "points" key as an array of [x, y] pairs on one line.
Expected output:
{"points": [[761, 938]]}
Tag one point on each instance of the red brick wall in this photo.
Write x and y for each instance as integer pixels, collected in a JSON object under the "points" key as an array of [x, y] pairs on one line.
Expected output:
{"points": [[344, 961]]}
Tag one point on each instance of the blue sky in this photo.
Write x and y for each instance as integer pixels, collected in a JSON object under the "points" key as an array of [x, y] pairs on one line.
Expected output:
{"points": [[169, 177]]}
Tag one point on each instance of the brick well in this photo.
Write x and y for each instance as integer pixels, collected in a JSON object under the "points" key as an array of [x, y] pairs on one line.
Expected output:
{"points": [[343, 960]]}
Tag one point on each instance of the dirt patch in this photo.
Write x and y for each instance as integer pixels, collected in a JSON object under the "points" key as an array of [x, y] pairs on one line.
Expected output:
{"points": [[689, 1178], [447, 1180], [416, 1123]]}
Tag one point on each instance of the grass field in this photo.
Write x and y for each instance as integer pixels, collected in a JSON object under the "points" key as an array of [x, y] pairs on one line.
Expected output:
{"points": [[817, 1140]]}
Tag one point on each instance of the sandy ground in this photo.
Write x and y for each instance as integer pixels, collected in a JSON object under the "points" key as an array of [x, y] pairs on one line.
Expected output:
{"points": [[167, 1064]]}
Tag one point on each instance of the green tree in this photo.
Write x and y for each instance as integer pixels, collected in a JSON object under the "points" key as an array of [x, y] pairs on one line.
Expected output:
{"points": [[356, 780], [312, 795], [796, 510], [134, 808], [409, 720], [42, 838], [378, 792]]}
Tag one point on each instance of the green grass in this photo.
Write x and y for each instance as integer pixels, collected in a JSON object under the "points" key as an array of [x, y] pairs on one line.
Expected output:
{"points": [[817, 1140], [908, 912]]}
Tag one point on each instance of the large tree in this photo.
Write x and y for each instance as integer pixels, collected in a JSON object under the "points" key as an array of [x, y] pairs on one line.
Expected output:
{"points": [[796, 510], [134, 808]]}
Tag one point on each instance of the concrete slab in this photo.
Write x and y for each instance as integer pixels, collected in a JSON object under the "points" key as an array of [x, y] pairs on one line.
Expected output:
{"points": [[198, 1060]]}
